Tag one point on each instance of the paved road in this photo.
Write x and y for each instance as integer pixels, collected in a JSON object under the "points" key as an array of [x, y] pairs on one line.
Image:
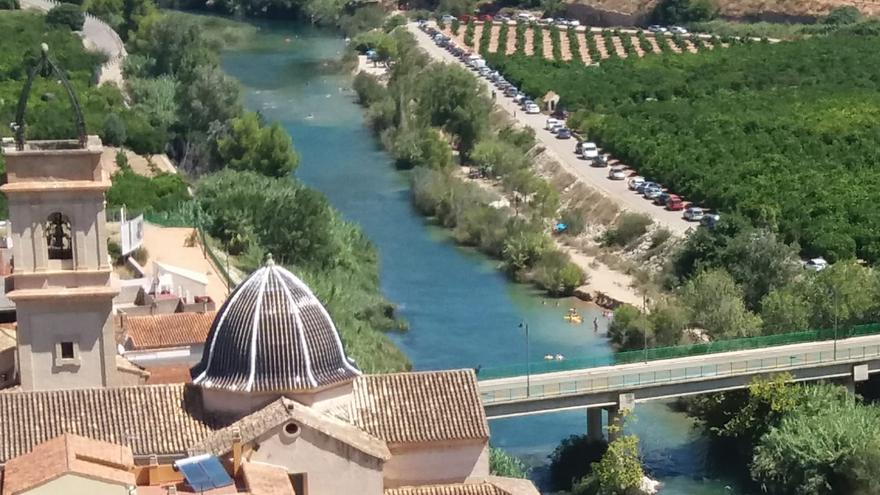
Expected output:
{"points": [[100, 35], [564, 149]]}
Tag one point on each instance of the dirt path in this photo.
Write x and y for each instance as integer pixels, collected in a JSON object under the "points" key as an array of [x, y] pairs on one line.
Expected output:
{"points": [[169, 245], [618, 46], [478, 35], [654, 45], [585, 50], [494, 33], [600, 45], [603, 279], [637, 46], [529, 47], [672, 45], [564, 46], [690, 47], [547, 43]]}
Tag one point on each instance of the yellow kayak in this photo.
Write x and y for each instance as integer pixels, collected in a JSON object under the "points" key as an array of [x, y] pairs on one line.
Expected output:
{"points": [[574, 318]]}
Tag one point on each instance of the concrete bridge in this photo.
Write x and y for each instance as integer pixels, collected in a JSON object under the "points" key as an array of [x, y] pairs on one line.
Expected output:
{"points": [[622, 386]]}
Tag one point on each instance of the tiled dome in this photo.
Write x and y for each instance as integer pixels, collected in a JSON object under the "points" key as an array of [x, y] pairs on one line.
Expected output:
{"points": [[272, 334]]}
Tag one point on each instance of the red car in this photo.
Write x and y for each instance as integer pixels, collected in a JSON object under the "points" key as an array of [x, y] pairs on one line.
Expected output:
{"points": [[485, 18], [465, 18], [674, 203]]}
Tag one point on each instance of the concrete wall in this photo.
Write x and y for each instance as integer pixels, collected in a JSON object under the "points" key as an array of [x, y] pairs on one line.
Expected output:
{"points": [[436, 463], [234, 405], [87, 323], [74, 484], [333, 467]]}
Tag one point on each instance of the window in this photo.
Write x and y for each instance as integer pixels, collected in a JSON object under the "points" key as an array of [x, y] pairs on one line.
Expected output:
{"points": [[300, 482], [58, 238], [67, 350]]}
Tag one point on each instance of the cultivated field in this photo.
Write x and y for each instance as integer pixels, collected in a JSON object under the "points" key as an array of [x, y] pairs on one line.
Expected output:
{"points": [[589, 45]]}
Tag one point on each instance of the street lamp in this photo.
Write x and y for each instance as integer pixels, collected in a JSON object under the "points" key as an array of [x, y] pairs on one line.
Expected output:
{"points": [[645, 330], [525, 324]]}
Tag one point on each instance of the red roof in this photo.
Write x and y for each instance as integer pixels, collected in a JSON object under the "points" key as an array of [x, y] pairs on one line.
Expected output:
{"points": [[167, 330]]}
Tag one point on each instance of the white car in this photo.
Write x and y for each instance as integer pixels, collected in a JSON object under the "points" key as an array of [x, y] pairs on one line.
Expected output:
{"points": [[574, 23], [589, 150], [678, 30], [816, 264], [635, 182], [555, 128], [693, 214], [551, 123], [447, 19], [533, 109], [616, 173]]}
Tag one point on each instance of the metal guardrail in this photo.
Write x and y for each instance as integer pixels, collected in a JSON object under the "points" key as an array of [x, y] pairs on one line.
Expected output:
{"points": [[661, 353], [626, 381]]}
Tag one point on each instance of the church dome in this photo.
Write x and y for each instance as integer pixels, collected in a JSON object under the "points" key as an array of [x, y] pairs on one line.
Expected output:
{"points": [[272, 335]]}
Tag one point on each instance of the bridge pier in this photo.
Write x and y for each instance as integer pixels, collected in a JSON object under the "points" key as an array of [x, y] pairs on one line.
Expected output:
{"points": [[594, 423], [613, 423]]}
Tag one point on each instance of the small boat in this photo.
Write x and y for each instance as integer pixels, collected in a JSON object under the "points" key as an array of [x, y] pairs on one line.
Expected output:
{"points": [[548, 357], [573, 316]]}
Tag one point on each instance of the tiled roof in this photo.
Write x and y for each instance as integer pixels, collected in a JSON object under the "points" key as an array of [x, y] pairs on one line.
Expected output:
{"points": [[272, 334], [171, 373], [281, 411], [152, 419], [420, 407], [168, 330], [266, 479], [69, 454], [451, 489]]}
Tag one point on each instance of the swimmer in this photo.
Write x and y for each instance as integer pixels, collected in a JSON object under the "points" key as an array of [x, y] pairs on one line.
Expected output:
{"points": [[310, 116], [560, 357]]}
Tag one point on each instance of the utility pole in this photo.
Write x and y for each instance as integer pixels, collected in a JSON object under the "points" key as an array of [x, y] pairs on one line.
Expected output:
{"points": [[525, 324]]}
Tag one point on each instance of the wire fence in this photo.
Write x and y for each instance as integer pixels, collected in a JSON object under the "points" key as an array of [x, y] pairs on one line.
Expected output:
{"points": [[660, 353]]}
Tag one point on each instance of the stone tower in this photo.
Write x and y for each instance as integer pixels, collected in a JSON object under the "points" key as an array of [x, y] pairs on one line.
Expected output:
{"points": [[62, 275]]}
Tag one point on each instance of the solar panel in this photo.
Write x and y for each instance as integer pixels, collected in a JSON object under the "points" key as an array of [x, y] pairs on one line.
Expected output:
{"points": [[203, 472]]}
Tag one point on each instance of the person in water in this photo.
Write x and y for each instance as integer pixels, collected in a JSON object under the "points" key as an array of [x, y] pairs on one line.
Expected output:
{"points": [[596, 325]]}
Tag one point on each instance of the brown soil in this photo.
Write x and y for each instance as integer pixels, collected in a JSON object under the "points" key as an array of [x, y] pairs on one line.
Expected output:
{"points": [[689, 45], [637, 46], [600, 44], [564, 48], [673, 46], [548, 44], [493, 38], [654, 45], [618, 46], [478, 35], [582, 46], [529, 49], [511, 40]]}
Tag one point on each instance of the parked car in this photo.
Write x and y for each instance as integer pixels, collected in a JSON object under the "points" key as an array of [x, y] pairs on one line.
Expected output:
{"points": [[545, 21], [635, 182], [556, 127], [465, 18], [656, 28], [560, 113], [652, 192], [645, 185], [485, 18], [589, 150], [693, 214], [551, 122], [511, 92], [617, 173], [710, 221], [563, 133], [678, 30], [600, 161], [519, 97], [574, 23], [674, 203], [816, 264], [447, 19], [661, 199], [533, 109], [524, 17]]}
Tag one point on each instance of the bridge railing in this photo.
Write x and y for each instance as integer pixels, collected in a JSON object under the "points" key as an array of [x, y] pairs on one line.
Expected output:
{"points": [[659, 353], [626, 381]]}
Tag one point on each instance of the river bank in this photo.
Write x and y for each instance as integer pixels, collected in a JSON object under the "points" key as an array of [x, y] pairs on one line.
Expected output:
{"points": [[462, 311]]}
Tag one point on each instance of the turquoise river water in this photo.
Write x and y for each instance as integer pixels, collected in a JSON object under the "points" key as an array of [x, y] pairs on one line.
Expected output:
{"points": [[462, 311]]}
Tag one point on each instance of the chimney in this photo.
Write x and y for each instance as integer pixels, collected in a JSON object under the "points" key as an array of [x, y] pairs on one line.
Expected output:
{"points": [[172, 489], [236, 451]]}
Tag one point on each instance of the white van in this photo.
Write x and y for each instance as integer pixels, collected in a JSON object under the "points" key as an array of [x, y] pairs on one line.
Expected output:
{"points": [[551, 123]]}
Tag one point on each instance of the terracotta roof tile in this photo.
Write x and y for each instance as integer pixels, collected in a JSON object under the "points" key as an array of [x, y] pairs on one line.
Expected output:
{"points": [[172, 373], [451, 489], [279, 412], [69, 454], [168, 330], [420, 407], [153, 419], [266, 479]]}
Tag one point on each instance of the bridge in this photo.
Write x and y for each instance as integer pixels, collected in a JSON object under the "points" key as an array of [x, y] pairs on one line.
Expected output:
{"points": [[621, 386]]}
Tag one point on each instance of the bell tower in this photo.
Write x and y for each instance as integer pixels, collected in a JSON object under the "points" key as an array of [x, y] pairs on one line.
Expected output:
{"points": [[63, 290]]}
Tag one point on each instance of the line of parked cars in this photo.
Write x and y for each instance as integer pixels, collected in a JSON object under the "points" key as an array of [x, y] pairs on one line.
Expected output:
{"points": [[654, 192], [658, 29]]}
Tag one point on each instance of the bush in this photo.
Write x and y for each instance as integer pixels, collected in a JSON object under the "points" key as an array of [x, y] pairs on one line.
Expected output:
{"points": [[9, 5], [67, 14], [557, 274], [571, 460], [114, 130], [368, 88], [503, 464], [629, 227], [574, 221], [842, 15]]}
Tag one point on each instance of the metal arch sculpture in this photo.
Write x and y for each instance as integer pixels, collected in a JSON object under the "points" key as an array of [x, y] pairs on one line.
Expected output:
{"points": [[46, 67]]}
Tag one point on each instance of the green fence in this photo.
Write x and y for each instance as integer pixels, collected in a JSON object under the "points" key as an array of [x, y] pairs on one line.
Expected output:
{"points": [[170, 219], [218, 263], [659, 353]]}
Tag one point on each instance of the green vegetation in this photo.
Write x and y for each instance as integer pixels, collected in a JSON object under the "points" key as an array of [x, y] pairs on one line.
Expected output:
{"points": [[68, 15], [571, 460], [780, 133], [839, 17], [503, 464], [628, 228], [797, 438], [9, 5], [429, 109], [683, 11], [250, 145]]}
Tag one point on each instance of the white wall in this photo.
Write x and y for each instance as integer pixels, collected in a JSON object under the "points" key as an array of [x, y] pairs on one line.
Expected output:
{"points": [[71, 484], [436, 463]]}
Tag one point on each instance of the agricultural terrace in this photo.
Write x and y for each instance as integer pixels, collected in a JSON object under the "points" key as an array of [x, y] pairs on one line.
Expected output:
{"points": [[587, 45], [786, 134]]}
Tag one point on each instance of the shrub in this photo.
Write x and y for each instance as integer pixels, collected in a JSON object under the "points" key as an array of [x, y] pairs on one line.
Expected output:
{"points": [[67, 14], [503, 464], [557, 274], [659, 237], [571, 460], [141, 255], [114, 130], [629, 227], [574, 221], [368, 88], [9, 5], [842, 15]]}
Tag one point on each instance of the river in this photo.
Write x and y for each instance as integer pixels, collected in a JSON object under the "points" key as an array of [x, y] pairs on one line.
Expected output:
{"points": [[462, 311]]}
